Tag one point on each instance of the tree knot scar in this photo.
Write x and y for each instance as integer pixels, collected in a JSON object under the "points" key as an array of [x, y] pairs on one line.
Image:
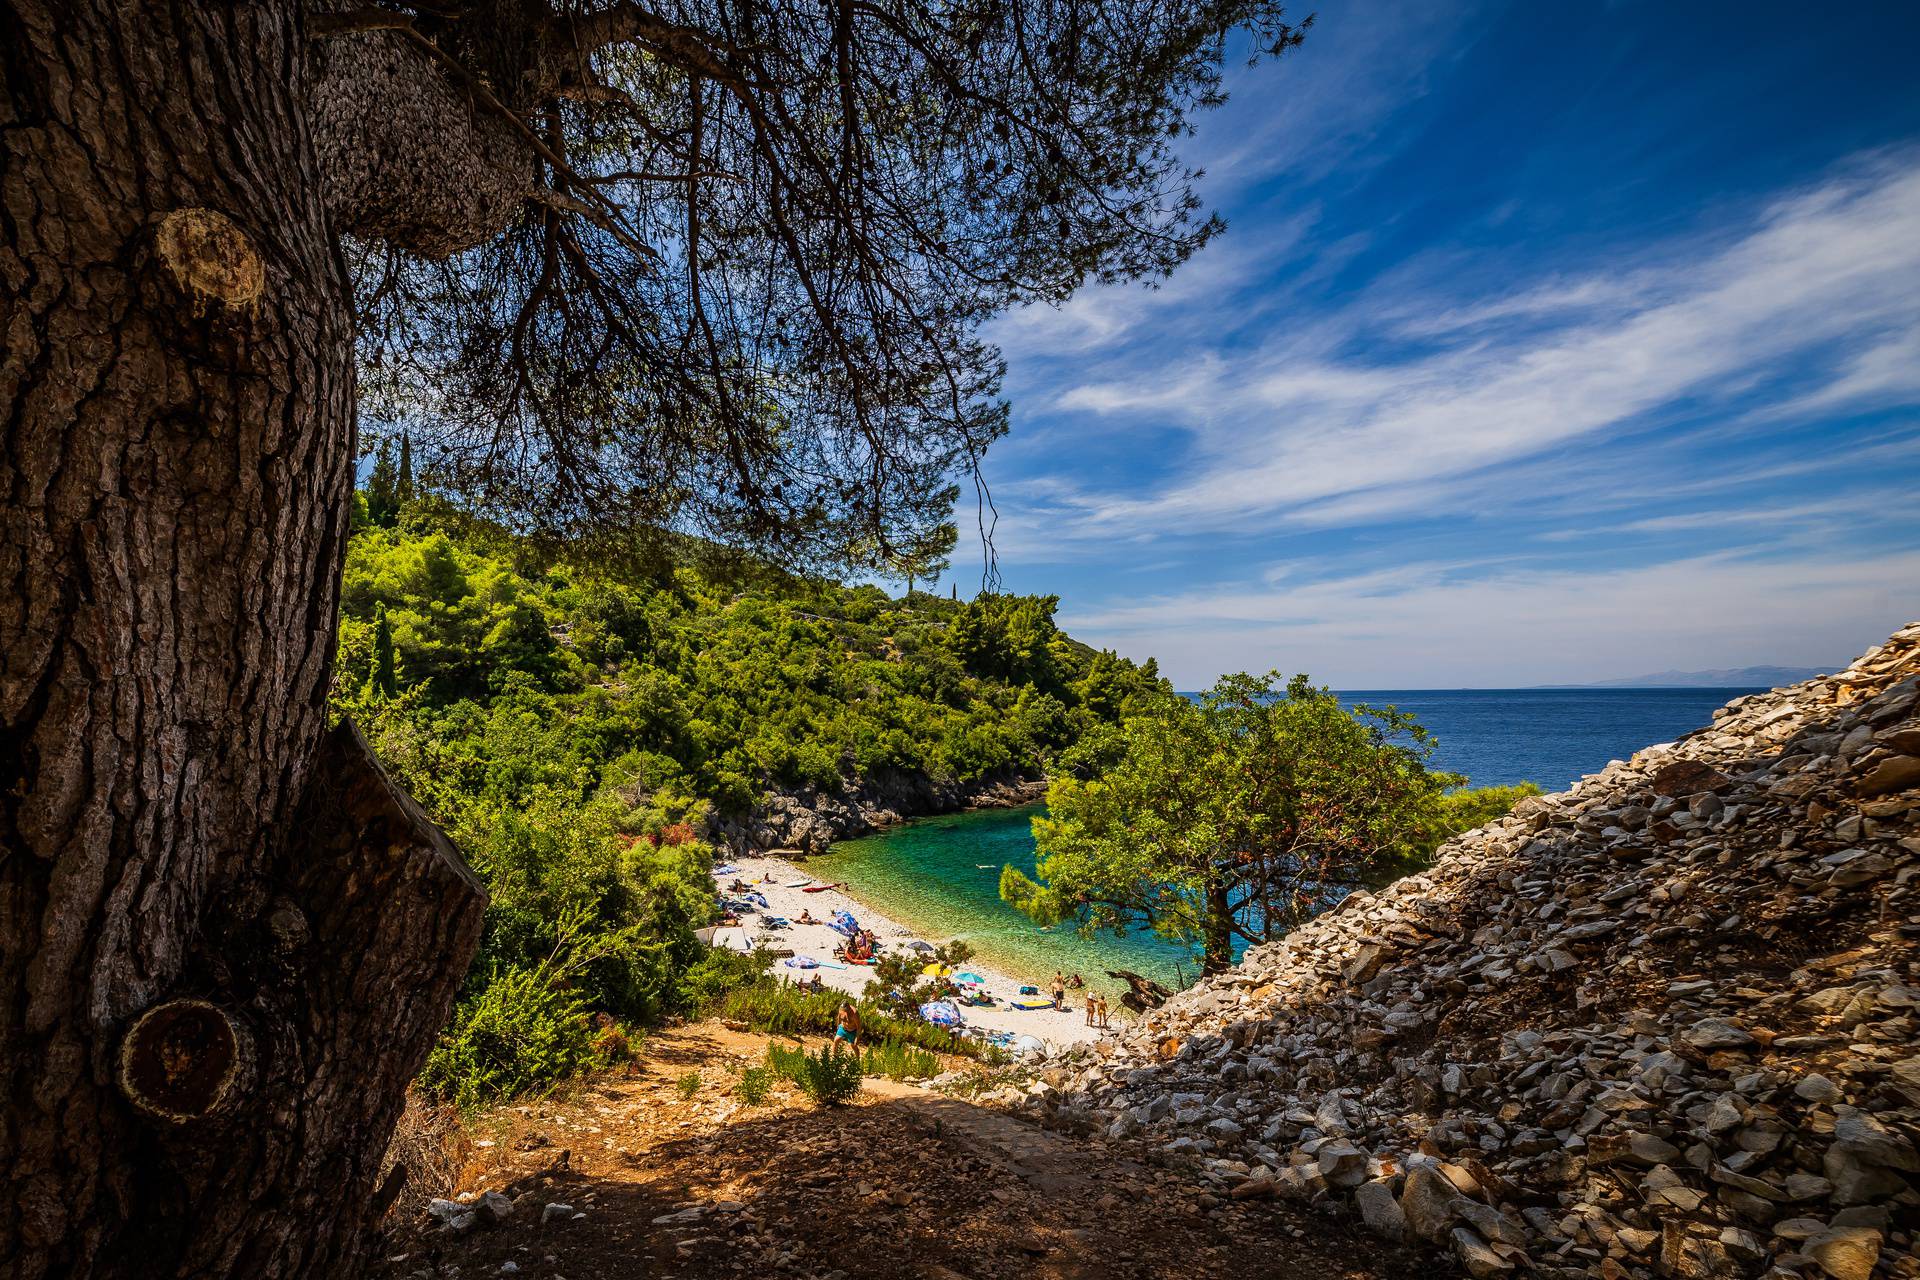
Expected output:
{"points": [[211, 257], [185, 1060]]}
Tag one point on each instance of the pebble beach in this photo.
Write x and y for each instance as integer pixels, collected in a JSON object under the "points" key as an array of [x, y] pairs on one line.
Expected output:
{"points": [[778, 880]]}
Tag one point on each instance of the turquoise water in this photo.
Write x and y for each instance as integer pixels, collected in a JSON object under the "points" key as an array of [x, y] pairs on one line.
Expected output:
{"points": [[941, 876]]}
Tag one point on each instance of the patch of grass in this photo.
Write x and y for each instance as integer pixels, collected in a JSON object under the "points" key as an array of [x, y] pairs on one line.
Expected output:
{"points": [[786, 1062], [900, 1062], [774, 1007], [687, 1086]]}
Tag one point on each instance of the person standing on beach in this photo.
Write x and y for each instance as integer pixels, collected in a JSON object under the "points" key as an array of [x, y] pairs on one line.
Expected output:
{"points": [[1059, 989], [1100, 1012], [1090, 1021]]}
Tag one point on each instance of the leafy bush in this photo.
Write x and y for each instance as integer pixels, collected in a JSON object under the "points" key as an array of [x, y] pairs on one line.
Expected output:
{"points": [[755, 1084], [612, 1044], [830, 1077], [687, 1086], [899, 980], [517, 1034], [707, 982]]}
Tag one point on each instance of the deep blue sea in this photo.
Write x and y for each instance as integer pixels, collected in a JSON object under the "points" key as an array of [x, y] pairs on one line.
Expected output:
{"points": [[941, 876], [1548, 736]]}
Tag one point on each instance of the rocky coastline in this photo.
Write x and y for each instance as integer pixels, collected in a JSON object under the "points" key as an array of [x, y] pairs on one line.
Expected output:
{"points": [[1665, 1023], [803, 821]]}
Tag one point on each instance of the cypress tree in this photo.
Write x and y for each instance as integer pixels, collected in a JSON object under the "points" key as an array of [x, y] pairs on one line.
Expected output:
{"points": [[383, 494], [405, 491], [382, 683]]}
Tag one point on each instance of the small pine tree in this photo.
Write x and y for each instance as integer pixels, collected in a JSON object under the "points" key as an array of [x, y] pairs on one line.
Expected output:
{"points": [[382, 683], [404, 491], [383, 490]]}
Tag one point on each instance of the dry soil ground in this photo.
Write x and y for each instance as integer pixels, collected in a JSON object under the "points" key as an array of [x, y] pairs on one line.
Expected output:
{"points": [[903, 1184]]}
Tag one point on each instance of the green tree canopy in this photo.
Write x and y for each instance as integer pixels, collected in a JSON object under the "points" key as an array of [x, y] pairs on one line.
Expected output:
{"points": [[1231, 819]]}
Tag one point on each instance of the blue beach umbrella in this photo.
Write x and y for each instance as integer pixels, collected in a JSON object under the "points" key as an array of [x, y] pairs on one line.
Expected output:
{"points": [[941, 1014]]}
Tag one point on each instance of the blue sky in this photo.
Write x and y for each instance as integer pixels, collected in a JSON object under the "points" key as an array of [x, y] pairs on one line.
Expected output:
{"points": [[1547, 342]]}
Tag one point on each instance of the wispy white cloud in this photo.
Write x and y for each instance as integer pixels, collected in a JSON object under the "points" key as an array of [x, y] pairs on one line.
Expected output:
{"points": [[1300, 422], [1514, 626]]}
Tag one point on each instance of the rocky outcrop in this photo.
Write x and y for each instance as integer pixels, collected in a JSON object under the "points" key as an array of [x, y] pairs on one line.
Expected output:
{"points": [[807, 820], [1663, 1023]]}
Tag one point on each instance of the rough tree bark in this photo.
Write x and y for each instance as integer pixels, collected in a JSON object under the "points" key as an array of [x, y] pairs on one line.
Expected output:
{"points": [[226, 941]]}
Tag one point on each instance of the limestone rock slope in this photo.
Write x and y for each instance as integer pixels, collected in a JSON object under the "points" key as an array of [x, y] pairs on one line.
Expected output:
{"points": [[1663, 1023]]}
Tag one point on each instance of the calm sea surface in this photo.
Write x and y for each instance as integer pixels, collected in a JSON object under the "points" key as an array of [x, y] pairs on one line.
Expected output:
{"points": [[941, 876]]}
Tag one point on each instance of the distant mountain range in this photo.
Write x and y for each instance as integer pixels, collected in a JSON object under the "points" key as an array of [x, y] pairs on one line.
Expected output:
{"points": [[1718, 678]]}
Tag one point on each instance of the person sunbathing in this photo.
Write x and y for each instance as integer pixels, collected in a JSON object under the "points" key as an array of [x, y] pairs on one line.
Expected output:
{"points": [[806, 917]]}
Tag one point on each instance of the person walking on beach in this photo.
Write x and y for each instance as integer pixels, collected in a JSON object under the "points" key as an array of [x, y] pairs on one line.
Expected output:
{"points": [[1059, 990]]}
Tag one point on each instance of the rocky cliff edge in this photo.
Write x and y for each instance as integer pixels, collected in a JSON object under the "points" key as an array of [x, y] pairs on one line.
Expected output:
{"points": [[1662, 1023]]}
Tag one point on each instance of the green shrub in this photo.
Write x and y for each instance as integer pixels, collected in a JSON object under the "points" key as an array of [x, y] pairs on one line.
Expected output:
{"points": [[687, 1086], [517, 1034], [613, 1044], [829, 1077], [715, 975], [755, 1084]]}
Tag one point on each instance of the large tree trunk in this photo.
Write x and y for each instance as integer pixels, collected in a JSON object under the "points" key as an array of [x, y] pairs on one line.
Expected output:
{"points": [[208, 1019]]}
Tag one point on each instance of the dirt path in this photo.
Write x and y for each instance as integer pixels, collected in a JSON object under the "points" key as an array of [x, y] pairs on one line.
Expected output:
{"points": [[903, 1185]]}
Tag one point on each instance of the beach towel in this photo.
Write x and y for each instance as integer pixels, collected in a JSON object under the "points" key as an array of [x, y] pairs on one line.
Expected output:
{"points": [[802, 962], [1031, 1002]]}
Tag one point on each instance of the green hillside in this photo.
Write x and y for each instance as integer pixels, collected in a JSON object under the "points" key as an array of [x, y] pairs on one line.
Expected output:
{"points": [[577, 719]]}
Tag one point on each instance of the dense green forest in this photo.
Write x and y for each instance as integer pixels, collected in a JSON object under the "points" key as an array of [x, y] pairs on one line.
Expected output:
{"points": [[576, 717]]}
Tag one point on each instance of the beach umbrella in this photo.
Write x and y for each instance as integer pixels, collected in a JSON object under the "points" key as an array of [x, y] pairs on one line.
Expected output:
{"points": [[1028, 1046], [917, 945], [938, 970], [941, 1014], [802, 962], [973, 978]]}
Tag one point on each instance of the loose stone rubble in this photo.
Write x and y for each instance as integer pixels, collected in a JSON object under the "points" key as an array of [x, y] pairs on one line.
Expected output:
{"points": [[1663, 1023]]}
